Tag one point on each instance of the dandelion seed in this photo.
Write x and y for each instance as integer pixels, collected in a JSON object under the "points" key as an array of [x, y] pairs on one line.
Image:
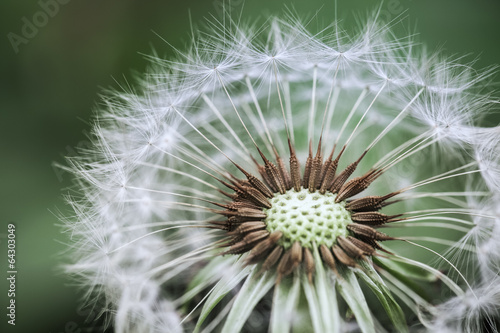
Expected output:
{"points": [[327, 174]]}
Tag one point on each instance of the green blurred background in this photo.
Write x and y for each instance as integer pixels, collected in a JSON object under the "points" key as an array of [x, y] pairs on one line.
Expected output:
{"points": [[51, 79]]}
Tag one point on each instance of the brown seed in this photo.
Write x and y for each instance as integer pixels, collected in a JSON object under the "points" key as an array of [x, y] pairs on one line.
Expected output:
{"points": [[259, 185], [368, 232], [259, 250], [246, 244], [273, 173], [235, 205], [327, 256], [275, 177], [284, 266], [240, 183], [296, 255], [228, 242], [374, 218], [324, 169], [329, 176], [256, 196], [272, 258], [343, 257], [307, 170], [366, 248], [370, 218], [283, 171], [321, 169], [247, 227], [352, 250], [357, 185], [250, 213], [294, 168], [371, 203], [265, 177], [293, 260], [255, 236], [326, 164], [222, 225], [238, 248], [339, 181], [352, 187], [308, 263], [315, 169]]}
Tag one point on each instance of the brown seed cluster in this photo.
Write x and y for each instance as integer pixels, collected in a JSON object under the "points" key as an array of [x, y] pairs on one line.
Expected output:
{"points": [[245, 215]]}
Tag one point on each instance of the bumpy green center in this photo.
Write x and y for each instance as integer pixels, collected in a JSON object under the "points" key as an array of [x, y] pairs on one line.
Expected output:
{"points": [[307, 218]]}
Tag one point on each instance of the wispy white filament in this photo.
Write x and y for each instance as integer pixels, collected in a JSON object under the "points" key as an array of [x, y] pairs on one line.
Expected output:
{"points": [[139, 229]]}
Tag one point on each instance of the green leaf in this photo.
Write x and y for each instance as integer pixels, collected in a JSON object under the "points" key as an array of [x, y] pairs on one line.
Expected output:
{"points": [[285, 298], [252, 291], [377, 285], [350, 290], [219, 291]]}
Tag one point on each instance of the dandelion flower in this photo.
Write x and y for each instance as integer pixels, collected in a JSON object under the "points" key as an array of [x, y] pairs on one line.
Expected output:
{"points": [[274, 179]]}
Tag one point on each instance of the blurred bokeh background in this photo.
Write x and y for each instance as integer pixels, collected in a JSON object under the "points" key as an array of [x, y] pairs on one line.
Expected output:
{"points": [[58, 55]]}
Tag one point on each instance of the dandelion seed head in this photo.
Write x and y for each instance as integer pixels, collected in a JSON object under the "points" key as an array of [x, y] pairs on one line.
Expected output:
{"points": [[263, 165]]}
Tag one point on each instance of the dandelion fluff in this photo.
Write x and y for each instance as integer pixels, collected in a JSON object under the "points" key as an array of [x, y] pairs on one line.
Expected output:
{"points": [[274, 179]]}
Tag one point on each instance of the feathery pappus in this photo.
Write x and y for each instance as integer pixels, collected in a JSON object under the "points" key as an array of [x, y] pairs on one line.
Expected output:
{"points": [[274, 179]]}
